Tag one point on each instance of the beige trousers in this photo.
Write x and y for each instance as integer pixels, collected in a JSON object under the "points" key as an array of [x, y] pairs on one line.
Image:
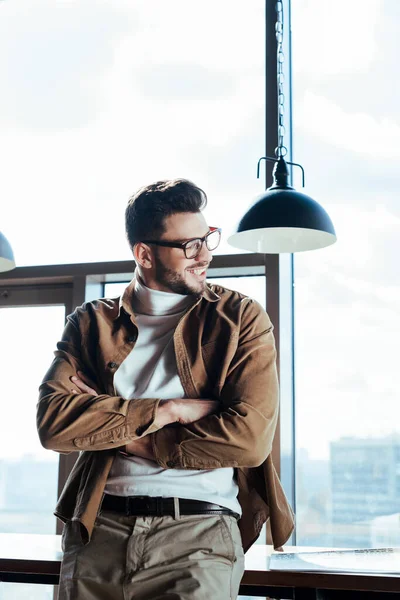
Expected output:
{"points": [[196, 557]]}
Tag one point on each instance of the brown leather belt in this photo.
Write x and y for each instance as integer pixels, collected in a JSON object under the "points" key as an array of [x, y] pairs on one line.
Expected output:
{"points": [[147, 506]]}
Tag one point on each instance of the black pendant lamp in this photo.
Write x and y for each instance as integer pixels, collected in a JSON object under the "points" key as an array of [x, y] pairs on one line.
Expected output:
{"points": [[7, 261], [282, 219]]}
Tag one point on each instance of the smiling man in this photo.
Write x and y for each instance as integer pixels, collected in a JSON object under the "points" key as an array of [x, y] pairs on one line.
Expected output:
{"points": [[170, 393]]}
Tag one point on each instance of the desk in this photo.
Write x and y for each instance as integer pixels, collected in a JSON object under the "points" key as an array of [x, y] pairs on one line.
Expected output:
{"points": [[36, 559]]}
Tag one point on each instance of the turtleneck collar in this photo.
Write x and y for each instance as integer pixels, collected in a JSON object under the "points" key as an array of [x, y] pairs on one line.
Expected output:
{"points": [[125, 301], [147, 301]]}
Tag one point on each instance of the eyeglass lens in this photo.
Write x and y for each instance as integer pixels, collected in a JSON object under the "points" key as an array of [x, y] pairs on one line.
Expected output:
{"points": [[194, 247]]}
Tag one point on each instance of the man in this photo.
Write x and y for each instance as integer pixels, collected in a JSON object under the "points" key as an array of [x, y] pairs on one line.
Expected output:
{"points": [[170, 393]]}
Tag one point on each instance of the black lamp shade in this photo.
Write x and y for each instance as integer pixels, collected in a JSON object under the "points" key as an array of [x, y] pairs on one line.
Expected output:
{"points": [[284, 220], [7, 261]]}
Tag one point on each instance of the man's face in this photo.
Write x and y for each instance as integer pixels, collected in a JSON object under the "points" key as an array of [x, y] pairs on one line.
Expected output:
{"points": [[173, 272]]}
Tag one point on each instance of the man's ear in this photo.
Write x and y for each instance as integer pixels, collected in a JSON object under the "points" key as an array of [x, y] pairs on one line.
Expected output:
{"points": [[143, 255]]}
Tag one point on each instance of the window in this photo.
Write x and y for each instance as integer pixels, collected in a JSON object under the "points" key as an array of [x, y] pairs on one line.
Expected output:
{"points": [[28, 473], [346, 296]]}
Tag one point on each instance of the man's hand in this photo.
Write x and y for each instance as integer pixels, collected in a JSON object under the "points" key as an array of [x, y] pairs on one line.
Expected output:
{"points": [[83, 384], [189, 411], [141, 447], [178, 410], [181, 411], [172, 411]]}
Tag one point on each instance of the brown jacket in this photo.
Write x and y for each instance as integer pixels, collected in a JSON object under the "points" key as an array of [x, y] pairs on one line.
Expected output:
{"points": [[225, 350]]}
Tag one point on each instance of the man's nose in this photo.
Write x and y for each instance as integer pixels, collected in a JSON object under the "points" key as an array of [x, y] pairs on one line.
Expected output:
{"points": [[205, 255]]}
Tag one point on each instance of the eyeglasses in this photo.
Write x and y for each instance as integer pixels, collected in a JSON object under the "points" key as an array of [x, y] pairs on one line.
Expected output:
{"points": [[192, 248]]}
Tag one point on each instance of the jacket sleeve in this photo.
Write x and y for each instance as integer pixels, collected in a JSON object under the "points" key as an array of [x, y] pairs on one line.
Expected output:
{"points": [[241, 434], [68, 422]]}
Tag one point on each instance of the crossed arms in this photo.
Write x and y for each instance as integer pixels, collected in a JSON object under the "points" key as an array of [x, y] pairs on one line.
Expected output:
{"points": [[237, 430], [169, 411]]}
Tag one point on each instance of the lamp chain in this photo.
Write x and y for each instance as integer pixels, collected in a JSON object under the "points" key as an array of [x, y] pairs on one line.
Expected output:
{"points": [[281, 150]]}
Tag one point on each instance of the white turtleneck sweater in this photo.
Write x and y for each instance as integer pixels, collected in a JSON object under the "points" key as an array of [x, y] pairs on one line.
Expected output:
{"points": [[150, 371]]}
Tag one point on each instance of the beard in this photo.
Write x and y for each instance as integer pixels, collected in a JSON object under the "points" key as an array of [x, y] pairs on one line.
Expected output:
{"points": [[175, 282]]}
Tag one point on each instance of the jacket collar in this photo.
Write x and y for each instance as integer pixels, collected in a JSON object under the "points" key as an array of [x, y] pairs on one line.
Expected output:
{"points": [[125, 301]]}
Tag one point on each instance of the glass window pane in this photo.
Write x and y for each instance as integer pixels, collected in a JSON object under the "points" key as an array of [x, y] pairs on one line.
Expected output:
{"points": [[112, 290], [104, 97], [28, 472], [347, 317], [253, 286], [24, 591]]}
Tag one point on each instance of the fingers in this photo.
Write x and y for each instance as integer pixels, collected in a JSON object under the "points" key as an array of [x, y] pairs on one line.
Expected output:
{"points": [[82, 387]]}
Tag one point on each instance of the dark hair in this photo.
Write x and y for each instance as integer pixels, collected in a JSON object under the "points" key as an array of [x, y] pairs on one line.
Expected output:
{"points": [[148, 208]]}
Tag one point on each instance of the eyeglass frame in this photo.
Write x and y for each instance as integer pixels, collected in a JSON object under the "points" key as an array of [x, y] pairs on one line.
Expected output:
{"points": [[182, 245]]}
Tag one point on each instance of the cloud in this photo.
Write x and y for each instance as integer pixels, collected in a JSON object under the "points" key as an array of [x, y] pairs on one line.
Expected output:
{"points": [[332, 38], [53, 60], [184, 83], [352, 131], [125, 122], [366, 249], [227, 35]]}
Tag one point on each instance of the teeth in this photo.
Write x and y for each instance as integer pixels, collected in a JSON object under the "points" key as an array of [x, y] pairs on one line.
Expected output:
{"points": [[197, 271]]}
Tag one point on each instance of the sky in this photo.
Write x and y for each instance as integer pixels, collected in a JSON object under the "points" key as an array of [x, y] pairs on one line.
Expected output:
{"points": [[100, 97]]}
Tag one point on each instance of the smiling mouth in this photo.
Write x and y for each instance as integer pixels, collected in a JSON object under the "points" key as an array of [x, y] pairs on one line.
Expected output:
{"points": [[198, 270]]}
